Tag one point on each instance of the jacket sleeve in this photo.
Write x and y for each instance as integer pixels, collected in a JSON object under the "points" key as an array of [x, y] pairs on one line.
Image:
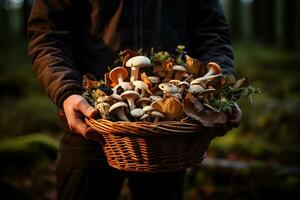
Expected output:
{"points": [[50, 47], [209, 34]]}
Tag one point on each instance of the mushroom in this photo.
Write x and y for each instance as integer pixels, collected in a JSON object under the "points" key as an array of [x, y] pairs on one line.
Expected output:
{"points": [[168, 88], [148, 109], [154, 80], [137, 112], [195, 89], [124, 86], [204, 78], [157, 115], [118, 74], [214, 70], [156, 98], [142, 102], [103, 108], [145, 117], [183, 85], [130, 96], [140, 85], [118, 109], [135, 63], [179, 70]]}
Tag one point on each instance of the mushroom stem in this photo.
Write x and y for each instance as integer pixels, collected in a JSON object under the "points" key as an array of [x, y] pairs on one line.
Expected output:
{"points": [[120, 78], [131, 103], [134, 74], [156, 119], [122, 115]]}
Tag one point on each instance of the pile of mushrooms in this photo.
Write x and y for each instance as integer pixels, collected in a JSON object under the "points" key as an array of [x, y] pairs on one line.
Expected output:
{"points": [[158, 87]]}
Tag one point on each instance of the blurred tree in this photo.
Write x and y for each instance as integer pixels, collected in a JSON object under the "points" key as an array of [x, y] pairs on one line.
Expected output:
{"points": [[289, 23], [264, 21], [235, 12]]}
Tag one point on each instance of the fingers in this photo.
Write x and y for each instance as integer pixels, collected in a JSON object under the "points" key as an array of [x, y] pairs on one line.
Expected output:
{"points": [[76, 108], [86, 109]]}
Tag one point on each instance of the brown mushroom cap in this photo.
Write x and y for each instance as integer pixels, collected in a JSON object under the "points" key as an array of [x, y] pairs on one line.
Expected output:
{"points": [[215, 67], [116, 73]]}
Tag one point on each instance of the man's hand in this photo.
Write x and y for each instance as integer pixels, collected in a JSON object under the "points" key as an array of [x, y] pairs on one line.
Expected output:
{"points": [[76, 108], [233, 122]]}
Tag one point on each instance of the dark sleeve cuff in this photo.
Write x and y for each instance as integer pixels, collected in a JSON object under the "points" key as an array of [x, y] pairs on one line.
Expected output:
{"points": [[65, 92]]}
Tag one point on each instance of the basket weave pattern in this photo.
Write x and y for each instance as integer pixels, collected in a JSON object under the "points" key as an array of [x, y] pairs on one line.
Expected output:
{"points": [[152, 147]]}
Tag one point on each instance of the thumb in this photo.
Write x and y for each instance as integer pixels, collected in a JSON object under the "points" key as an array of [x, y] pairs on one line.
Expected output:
{"points": [[87, 110]]}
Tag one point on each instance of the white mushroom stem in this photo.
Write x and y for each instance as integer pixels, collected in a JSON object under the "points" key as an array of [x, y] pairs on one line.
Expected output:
{"points": [[134, 74], [121, 115], [131, 103], [120, 78]]}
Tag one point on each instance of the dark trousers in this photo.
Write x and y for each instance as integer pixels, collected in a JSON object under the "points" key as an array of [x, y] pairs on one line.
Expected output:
{"points": [[94, 183]]}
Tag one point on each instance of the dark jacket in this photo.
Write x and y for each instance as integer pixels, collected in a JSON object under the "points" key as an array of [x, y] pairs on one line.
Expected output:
{"points": [[68, 38]]}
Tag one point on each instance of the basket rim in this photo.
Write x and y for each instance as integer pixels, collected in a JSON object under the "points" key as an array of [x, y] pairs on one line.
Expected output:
{"points": [[167, 128]]}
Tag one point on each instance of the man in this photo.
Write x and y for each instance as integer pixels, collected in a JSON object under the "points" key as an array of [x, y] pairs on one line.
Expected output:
{"points": [[68, 38]]}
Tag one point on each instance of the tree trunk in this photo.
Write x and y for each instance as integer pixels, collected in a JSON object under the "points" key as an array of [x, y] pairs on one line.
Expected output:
{"points": [[289, 23], [235, 12]]}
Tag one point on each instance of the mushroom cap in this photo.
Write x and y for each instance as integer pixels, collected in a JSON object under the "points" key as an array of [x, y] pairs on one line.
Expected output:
{"points": [[158, 114], [117, 105], [148, 108], [143, 100], [201, 79], [195, 89], [124, 85], [156, 98], [177, 95], [140, 84], [130, 94], [116, 97], [145, 116], [183, 84], [154, 79], [215, 67], [137, 112], [168, 87], [113, 75], [179, 68], [138, 61]]}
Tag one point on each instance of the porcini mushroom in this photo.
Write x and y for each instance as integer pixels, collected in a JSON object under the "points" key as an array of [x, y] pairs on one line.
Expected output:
{"points": [[130, 96], [136, 62], [118, 74], [118, 109]]}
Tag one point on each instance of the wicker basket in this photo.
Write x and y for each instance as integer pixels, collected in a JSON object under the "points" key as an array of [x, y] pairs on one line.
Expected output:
{"points": [[152, 147]]}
